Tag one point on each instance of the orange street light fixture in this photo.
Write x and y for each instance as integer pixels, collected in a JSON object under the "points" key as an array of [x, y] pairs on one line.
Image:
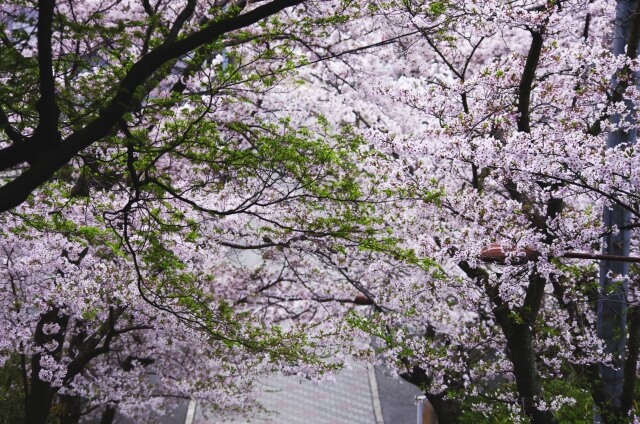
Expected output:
{"points": [[362, 300], [497, 254]]}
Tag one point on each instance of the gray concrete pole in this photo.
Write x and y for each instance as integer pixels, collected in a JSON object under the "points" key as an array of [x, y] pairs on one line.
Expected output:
{"points": [[419, 408], [612, 303]]}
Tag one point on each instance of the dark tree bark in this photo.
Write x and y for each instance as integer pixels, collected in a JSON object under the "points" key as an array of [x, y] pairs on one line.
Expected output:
{"points": [[41, 393], [519, 326], [70, 409], [108, 415]]}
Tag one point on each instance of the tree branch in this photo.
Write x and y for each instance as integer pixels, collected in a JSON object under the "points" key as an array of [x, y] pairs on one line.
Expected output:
{"points": [[15, 192], [46, 133], [5, 125], [526, 83]]}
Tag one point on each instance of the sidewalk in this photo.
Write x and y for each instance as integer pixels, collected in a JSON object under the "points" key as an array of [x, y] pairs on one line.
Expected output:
{"points": [[290, 400], [359, 395]]}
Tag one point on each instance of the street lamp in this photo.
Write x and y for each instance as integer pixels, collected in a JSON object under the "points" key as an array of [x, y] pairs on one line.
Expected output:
{"points": [[497, 254]]}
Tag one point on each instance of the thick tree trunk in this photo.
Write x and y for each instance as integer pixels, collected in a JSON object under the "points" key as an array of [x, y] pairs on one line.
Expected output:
{"points": [[522, 356], [41, 393], [39, 401], [70, 410], [518, 330], [518, 327], [108, 415]]}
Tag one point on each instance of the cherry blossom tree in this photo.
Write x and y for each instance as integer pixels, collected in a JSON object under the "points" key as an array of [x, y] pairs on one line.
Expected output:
{"points": [[141, 156], [209, 185], [503, 108]]}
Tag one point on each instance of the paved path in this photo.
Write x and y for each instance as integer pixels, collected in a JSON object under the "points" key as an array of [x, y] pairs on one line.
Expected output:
{"points": [[358, 396], [291, 400]]}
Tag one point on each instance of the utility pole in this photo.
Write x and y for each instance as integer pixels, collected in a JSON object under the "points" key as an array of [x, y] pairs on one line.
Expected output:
{"points": [[612, 302]]}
